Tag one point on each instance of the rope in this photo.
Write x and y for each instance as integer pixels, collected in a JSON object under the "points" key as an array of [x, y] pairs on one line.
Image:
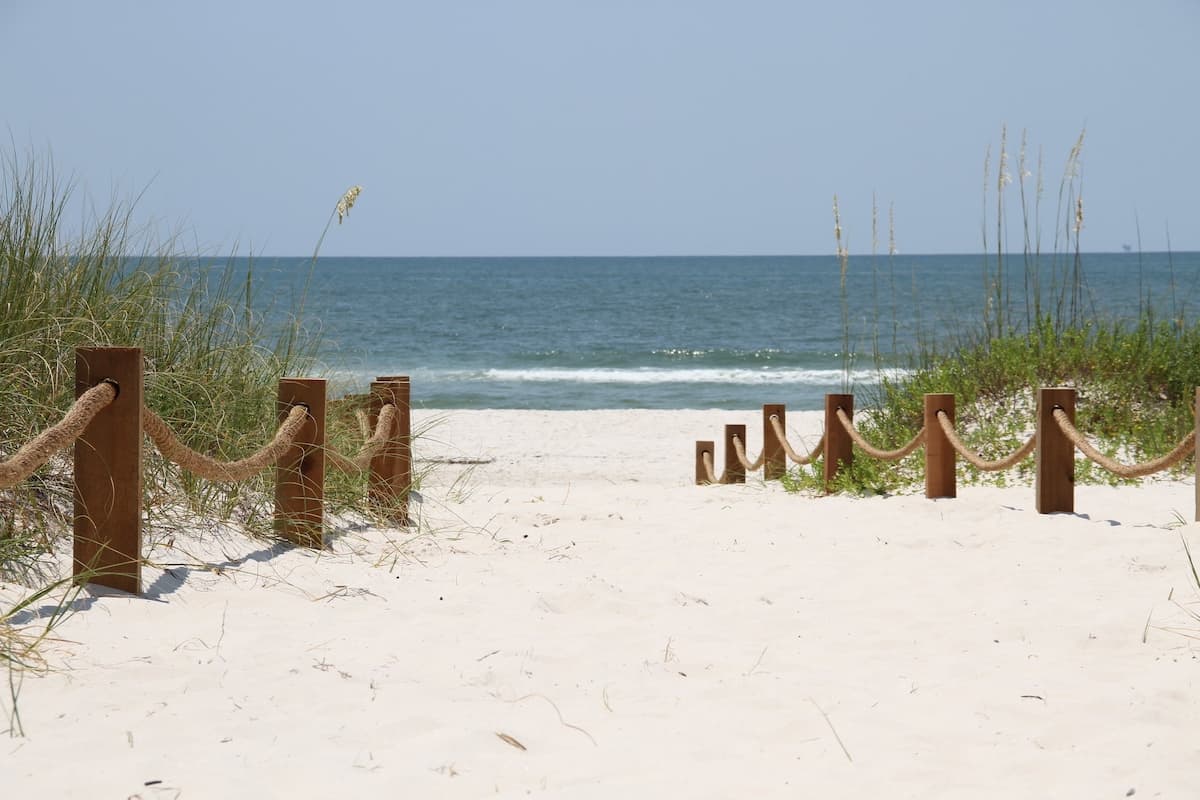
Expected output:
{"points": [[177, 452], [1181, 451], [740, 451], [371, 447], [978, 460], [874, 452], [706, 457], [42, 447], [787, 447]]}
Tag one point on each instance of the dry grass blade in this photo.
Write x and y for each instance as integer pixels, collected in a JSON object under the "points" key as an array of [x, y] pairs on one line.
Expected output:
{"points": [[504, 737], [832, 729]]}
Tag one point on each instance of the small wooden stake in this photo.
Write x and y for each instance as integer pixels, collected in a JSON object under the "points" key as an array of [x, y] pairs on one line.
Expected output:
{"points": [[839, 447], [774, 458], [401, 452], [1055, 481], [380, 488], [734, 471], [701, 472], [108, 473], [939, 454], [300, 474]]}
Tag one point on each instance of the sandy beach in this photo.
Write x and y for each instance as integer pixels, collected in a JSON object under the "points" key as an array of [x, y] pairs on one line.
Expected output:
{"points": [[572, 617]]}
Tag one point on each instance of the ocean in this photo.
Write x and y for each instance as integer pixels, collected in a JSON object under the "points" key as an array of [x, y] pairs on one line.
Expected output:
{"points": [[670, 332]]}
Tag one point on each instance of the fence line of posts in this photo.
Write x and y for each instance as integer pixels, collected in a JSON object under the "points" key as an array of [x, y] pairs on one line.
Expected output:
{"points": [[1053, 445], [108, 456]]}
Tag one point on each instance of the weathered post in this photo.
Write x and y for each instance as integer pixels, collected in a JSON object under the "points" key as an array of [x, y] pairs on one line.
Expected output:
{"points": [[108, 472], [703, 448], [1055, 481], [300, 473], [839, 447], [734, 471], [774, 457], [939, 454], [401, 452], [381, 490]]}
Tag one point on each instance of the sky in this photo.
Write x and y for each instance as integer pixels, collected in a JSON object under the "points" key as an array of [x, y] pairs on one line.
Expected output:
{"points": [[610, 127]]}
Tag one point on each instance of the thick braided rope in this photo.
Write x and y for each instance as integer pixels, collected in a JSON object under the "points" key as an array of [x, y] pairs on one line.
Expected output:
{"points": [[371, 447], [177, 452], [977, 460], [874, 452], [706, 457], [740, 450], [41, 448], [787, 446], [1181, 451]]}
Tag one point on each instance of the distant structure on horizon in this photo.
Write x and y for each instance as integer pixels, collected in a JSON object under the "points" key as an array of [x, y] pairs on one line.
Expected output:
{"points": [[1127, 248]]}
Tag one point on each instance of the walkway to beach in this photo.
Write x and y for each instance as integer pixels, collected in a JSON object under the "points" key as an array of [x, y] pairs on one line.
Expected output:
{"points": [[577, 619]]}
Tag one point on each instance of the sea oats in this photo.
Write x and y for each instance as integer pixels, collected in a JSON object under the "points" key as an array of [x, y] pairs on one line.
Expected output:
{"points": [[347, 202]]}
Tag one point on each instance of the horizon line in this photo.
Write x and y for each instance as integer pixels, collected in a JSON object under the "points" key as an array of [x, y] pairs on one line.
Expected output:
{"points": [[974, 254]]}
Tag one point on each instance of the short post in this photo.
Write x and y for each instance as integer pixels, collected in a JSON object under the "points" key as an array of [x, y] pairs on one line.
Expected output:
{"points": [[381, 490], [108, 472], [939, 454], [401, 452], [701, 473], [839, 447], [300, 473], [774, 457], [1196, 457], [734, 471], [1055, 481]]}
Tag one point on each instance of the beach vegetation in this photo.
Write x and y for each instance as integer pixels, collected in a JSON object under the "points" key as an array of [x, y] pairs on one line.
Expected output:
{"points": [[1037, 326], [71, 276]]}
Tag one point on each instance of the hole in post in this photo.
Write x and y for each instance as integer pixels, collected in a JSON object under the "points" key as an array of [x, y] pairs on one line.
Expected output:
{"points": [[116, 386]]}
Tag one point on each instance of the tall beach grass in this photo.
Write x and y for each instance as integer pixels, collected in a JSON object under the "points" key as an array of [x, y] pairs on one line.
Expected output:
{"points": [[1035, 325]]}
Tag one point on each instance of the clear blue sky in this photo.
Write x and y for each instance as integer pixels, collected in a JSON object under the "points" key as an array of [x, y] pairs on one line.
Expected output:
{"points": [[564, 127]]}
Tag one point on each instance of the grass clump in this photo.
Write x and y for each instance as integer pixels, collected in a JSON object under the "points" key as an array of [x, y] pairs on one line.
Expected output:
{"points": [[212, 368], [1036, 326], [210, 372]]}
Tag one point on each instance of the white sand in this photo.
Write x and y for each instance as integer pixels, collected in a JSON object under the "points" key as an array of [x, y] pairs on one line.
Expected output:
{"points": [[641, 637]]}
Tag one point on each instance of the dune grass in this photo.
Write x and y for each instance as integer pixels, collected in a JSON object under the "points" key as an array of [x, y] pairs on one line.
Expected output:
{"points": [[1035, 326], [211, 370]]}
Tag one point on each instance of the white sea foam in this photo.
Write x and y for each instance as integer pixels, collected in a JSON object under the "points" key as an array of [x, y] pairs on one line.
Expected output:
{"points": [[650, 375]]}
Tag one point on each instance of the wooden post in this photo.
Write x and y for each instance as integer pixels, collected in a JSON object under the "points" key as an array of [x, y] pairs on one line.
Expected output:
{"points": [[401, 453], [300, 473], [939, 454], [774, 458], [1055, 481], [839, 447], [734, 471], [108, 472], [380, 489], [701, 472], [1196, 457]]}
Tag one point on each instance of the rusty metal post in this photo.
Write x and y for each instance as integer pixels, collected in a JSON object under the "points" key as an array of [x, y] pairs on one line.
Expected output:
{"points": [[734, 471], [701, 472], [839, 447], [400, 467], [300, 473], [774, 457], [108, 472], [939, 454], [1055, 481]]}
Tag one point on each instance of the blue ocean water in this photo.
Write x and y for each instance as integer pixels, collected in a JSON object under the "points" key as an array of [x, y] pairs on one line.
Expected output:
{"points": [[670, 332]]}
